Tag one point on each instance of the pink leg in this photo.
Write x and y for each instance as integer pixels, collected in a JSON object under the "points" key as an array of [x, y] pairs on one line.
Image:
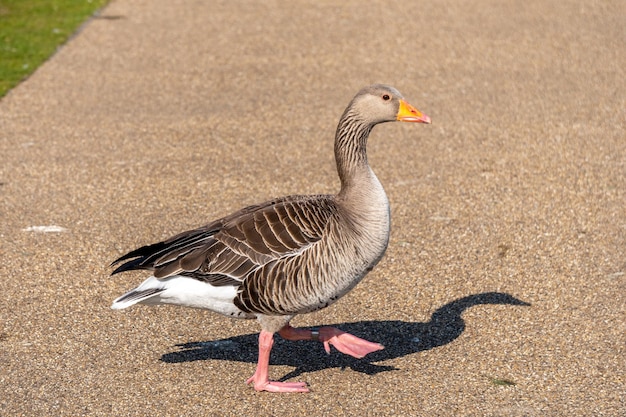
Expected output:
{"points": [[342, 341], [261, 375]]}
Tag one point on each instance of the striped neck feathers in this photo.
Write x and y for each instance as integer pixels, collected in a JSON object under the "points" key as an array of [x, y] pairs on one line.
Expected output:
{"points": [[351, 148]]}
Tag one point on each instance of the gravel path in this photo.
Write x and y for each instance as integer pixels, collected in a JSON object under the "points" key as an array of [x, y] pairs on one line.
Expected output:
{"points": [[503, 292]]}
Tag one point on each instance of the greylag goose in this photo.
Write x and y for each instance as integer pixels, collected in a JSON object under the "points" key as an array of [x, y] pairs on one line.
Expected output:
{"points": [[287, 256]]}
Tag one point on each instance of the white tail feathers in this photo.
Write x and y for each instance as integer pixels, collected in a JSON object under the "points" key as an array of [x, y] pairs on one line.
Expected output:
{"points": [[183, 291], [148, 289]]}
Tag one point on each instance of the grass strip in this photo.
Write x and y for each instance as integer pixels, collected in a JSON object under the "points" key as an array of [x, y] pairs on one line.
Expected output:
{"points": [[32, 30]]}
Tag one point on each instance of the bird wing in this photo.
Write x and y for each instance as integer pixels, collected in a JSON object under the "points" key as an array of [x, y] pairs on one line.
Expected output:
{"points": [[228, 250]]}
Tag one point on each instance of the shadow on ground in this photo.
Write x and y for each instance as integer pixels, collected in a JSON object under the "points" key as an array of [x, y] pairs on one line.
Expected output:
{"points": [[400, 338]]}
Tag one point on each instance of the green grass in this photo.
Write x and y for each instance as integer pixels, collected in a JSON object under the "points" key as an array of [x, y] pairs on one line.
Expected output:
{"points": [[32, 30]]}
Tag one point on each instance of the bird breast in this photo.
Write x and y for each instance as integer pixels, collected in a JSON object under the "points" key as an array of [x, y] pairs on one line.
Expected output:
{"points": [[355, 243]]}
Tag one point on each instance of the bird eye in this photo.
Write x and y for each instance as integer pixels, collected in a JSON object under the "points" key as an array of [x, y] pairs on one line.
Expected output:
{"points": [[386, 97]]}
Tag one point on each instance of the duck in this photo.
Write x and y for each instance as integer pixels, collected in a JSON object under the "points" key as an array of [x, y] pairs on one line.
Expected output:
{"points": [[287, 256]]}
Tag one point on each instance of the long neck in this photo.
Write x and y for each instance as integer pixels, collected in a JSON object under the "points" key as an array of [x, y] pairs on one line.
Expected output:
{"points": [[351, 150], [361, 194]]}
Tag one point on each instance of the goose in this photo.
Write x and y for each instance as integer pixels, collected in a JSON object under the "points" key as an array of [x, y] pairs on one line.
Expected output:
{"points": [[287, 256]]}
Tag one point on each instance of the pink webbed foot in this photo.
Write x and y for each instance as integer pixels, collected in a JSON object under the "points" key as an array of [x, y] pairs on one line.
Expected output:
{"points": [[342, 341], [275, 386], [346, 342]]}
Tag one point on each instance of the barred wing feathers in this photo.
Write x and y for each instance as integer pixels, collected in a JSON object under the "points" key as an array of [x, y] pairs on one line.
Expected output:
{"points": [[228, 250]]}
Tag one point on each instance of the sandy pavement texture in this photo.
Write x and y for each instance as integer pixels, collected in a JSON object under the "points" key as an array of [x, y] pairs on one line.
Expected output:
{"points": [[503, 292]]}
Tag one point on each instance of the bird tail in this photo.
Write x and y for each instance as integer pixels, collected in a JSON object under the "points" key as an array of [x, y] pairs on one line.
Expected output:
{"points": [[146, 293]]}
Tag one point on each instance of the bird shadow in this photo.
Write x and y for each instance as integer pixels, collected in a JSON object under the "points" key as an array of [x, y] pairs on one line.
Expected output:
{"points": [[400, 338]]}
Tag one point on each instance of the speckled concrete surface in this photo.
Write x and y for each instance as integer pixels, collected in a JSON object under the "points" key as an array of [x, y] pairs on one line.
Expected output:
{"points": [[162, 115]]}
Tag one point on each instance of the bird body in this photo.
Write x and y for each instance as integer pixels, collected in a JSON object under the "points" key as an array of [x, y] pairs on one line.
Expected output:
{"points": [[287, 256], [271, 272]]}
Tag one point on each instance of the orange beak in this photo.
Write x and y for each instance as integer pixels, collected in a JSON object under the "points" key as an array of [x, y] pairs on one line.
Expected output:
{"points": [[408, 113]]}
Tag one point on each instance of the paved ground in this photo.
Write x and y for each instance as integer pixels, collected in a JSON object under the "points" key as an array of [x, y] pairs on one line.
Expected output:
{"points": [[161, 115]]}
